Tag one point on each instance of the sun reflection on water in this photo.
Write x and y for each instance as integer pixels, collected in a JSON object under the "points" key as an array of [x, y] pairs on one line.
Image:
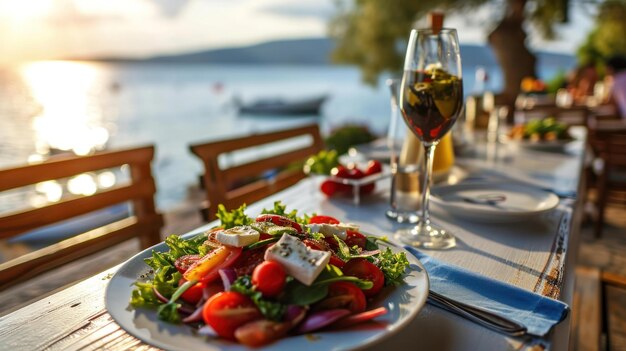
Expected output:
{"points": [[69, 119]]}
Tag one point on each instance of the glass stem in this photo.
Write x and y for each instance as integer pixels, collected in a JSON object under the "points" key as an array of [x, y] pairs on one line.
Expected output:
{"points": [[429, 153]]}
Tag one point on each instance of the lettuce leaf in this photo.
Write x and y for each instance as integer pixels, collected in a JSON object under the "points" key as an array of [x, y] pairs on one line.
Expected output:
{"points": [[393, 266], [270, 309], [233, 218]]}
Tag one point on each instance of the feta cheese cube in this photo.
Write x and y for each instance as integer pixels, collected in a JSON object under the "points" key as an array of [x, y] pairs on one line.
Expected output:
{"points": [[299, 261], [328, 230], [238, 236]]}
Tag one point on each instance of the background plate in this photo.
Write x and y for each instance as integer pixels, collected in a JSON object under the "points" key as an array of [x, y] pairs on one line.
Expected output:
{"points": [[519, 202]]}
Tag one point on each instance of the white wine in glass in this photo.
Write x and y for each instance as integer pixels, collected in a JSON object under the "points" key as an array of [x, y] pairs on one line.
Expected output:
{"points": [[431, 100]]}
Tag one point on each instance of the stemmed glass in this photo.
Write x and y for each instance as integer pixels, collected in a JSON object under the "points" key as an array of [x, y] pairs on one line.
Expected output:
{"points": [[431, 101]]}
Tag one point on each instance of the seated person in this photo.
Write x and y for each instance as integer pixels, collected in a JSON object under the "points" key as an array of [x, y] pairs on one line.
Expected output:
{"points": [[616, 67]]}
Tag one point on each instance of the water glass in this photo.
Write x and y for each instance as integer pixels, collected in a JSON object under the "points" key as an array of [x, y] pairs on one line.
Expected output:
{"points": [[404, 192]]}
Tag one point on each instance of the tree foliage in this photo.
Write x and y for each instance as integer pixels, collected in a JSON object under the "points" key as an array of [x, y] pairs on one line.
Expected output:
{"points": [[608, 38], [372, 33]]}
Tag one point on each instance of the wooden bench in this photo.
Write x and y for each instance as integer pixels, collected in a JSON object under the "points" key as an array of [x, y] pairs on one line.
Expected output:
{"points": [[222, 183], [143, 222]]}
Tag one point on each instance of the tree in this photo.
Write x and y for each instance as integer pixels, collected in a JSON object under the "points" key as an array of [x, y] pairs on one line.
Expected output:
{"points": [[608, 38], [372, 33]]}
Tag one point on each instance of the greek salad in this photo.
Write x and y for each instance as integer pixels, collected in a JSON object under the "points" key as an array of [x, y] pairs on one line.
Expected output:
{"points": [[256, 280]]}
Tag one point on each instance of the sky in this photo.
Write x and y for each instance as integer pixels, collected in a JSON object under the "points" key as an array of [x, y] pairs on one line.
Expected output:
{"points": [[45, 29]]}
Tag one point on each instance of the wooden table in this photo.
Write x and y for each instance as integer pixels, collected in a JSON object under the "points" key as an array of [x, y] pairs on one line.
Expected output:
{"points": [[537, 256]]}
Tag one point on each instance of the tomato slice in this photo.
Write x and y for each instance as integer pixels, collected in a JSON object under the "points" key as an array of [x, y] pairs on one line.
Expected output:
{"points": [[226, 311], [194, 293], [355, 238], [359, 318], [344, 295], [206, 269], [279, 220], [364, 269], [184, 262], [323, 220], [248, 260], [269, 278]]}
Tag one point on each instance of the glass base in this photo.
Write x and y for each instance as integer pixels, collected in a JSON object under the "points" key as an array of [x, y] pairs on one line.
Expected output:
{"points": [[426, 236], [402, 216]]}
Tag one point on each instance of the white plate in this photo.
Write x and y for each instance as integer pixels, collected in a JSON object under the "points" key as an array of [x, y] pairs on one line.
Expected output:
{"points": [[552, 145], [493, 202], [403, 304]]}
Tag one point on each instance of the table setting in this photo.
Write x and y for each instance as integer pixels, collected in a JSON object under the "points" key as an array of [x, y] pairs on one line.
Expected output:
{"points": [[489, 244]]}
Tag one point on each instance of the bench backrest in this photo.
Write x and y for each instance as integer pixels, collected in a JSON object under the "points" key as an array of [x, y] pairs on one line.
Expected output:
{"points": [[221, 183], [143, 220]]}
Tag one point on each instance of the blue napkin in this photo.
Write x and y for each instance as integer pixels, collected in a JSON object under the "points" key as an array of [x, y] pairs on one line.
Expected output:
{"points": [[537, 313]]}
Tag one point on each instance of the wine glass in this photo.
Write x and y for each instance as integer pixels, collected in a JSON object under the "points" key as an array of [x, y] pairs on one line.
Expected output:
{"points": [[431, 101]]}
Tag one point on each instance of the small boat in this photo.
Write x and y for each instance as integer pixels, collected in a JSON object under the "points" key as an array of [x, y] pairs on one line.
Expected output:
{"points": [[307, 106]]}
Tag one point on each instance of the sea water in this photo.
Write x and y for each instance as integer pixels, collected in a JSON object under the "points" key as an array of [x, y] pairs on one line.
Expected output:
{"points": [[81, 106]]}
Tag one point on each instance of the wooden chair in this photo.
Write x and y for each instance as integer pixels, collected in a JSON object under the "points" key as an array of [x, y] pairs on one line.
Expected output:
{"points": [[223, 185], [608, 142], [144, 222], [591, 305]]}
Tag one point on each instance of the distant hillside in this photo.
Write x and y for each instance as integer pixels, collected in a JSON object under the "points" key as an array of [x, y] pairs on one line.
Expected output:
{"points": [[299, 51], [316, 51]]}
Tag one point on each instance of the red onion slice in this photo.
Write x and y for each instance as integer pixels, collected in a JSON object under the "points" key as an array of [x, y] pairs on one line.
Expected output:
{"points": [[321, 319], [294, 314], [183, 308], [228, 276], [196, 316]]}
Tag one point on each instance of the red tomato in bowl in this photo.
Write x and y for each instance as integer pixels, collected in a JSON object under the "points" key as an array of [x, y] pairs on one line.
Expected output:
{"points": [[226, 311], [364, 269], [373, 167]]}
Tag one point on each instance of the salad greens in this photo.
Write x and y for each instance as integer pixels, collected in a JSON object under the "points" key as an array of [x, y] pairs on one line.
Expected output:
{"points": [[233, 218], [270, 309], [281, 210], [393, 266], [322, 163], [165, 280]]}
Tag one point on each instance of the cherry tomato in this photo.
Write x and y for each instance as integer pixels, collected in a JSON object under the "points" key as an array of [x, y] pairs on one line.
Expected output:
{"points": [[193, 294], [355, 173], [355, 238], [336, 261], [279, 220], [340, 172], [317, 245], [184, 262], [364, 269], [226, 311], [329, 188], [269, 278], [373, 167], [206, 269], [323, 220], [344, 295]]}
